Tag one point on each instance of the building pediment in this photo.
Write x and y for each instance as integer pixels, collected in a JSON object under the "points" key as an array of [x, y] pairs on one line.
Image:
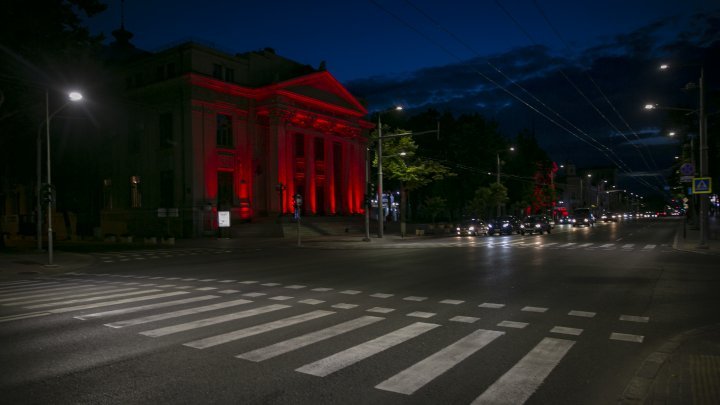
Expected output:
{"points": [[322, 89]]}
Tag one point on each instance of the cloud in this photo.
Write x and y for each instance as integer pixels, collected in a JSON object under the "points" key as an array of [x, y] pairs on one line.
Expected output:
{"points": [[594, 97]]}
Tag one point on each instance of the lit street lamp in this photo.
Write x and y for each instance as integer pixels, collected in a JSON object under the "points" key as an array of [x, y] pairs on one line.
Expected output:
{"points": [[703, 154], [497, 178], [73, 96]]}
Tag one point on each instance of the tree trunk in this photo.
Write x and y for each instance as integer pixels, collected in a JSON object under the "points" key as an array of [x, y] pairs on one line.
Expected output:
{"points": [[403, 201]]}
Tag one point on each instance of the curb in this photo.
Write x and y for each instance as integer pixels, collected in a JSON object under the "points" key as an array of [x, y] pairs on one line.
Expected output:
{"points": [[642, 383]]}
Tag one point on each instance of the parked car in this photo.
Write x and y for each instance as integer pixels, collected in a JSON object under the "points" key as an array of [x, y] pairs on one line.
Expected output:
{"points": [[472, 227], [506, 225], [535, 224], [582, 217]]}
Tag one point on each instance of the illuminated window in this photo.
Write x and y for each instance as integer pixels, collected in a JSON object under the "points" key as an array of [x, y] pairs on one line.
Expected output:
{"points": [[135, 195], [224, 131]]}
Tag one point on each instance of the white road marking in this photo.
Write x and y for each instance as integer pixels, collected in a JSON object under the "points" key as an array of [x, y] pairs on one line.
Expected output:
{"points": [[176, 314], [228, 291], [544, 245], [584, 245], [412, 298], [649, 247], [295, 286], [311, 301], [513, 324], [80, 300], [534, 309], [464, 319], [116, 302], [345, 358], [88, 290], [205, 289], [248, 282], [607, 246], [381, 295], [212, 321], [254, 294], [491, 305], [43, 289], [380, 310], [628, 246], [415, 377], [419, 314], [523, 379], [289, 345], [255, 330], [270, 284], [633, 318], [584, 314], [566, 331], [452, 302], [322, 289], [344, 306], [228, 281], [281, 298], [626, 337], [16, 317], [350, 292], [566, 245], [130, 310]]}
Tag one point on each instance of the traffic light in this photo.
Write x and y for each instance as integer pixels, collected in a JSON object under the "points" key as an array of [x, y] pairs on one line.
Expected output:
{"points": [[371, 189], [47, 193]]}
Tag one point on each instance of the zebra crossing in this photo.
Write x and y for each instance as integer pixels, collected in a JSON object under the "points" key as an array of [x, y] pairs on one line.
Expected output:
{"points": [[505, 244], [122, 304], [149, 254]]}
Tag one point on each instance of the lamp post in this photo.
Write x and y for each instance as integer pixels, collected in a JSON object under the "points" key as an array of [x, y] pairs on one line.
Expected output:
{"points": [[703, 154], [497, 177], [73, 97], [381, 208]]}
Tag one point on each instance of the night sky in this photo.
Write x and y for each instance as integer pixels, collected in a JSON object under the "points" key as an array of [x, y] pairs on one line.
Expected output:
{"points": [[576, 73]]}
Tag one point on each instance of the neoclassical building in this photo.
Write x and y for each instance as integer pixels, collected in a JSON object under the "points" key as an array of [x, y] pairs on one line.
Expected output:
{"points": [[203, 131]]}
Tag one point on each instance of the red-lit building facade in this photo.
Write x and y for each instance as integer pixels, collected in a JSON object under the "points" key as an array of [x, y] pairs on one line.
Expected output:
{"points": [[202, 131]]}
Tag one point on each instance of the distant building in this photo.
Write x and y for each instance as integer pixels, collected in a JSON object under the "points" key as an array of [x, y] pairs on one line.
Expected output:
{"points": [[203, 131]]}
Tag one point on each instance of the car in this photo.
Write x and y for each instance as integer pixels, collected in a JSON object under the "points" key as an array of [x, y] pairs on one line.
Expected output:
{"points": [[472, 227], [582, 217], [506, 225], [609, 217], [535, 224], [562, 220]]}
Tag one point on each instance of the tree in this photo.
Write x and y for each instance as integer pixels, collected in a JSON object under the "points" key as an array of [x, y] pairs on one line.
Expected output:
{"points": [[435, 206], [401, 163]]}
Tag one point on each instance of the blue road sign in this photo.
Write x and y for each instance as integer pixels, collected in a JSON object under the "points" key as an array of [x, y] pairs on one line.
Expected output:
{"points": [[702, 185]]}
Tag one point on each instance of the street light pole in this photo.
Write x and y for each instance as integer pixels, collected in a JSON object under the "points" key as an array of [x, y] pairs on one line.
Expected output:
{"points": [[381, 208], [368, 205], [74, 96], [703, 162], [497, 179]]}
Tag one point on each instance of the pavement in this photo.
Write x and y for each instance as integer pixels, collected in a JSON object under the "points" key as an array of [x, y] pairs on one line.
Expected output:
{"points": [[683, 370]]}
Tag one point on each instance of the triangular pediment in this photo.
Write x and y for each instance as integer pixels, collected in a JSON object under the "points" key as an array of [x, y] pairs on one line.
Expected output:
{"points": [[324, 88]]}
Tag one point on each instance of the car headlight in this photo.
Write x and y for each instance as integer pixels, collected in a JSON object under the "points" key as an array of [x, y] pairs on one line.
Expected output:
{"points": [[490, 225], [573, 220], [585, 219], [506, 225], [458, 228], [472, 228], [537, 225]]}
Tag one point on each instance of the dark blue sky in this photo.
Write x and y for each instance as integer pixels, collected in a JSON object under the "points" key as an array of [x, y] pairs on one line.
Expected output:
{"points": [[576, 72]]}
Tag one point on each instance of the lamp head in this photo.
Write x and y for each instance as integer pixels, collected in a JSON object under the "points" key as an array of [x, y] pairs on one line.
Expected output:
{"points": [[75, 96]]}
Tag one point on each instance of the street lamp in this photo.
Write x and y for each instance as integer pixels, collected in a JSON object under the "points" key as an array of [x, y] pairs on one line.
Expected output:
{"points": [[703, 154], [73, 97], [497, 175], [381, 209]]}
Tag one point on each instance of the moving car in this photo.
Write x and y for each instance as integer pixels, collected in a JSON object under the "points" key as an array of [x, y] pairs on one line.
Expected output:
{"points": [[506, 225], [472, 227], [609, 217], [582, 217], [535, 224]]}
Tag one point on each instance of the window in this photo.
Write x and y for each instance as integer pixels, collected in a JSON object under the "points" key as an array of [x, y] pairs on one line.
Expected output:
{"points": [[165, 128], [135, 195], [167, 183], [299, 145], [217, 71], [319, 149], [225, 190], [229, 75], [224, 131]]}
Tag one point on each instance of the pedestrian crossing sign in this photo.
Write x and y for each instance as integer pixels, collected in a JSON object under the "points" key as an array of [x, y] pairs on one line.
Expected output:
{"points": [[702, 185]]}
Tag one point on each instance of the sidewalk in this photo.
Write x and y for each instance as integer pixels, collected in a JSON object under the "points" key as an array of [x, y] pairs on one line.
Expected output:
{"points": [[686, 368]]}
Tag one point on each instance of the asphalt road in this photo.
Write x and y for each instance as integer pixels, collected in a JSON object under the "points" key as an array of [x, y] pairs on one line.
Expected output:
{"points": [[544, 319]]}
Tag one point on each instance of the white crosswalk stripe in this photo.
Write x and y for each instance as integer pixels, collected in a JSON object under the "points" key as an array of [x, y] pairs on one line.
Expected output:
{"points": [[289, 345], [416, 376], [345, 358], [256, 330], [129, 310], [36, 298], [37, 288], [79, 300], [177, 314], [212, 321], [116, 302], [521, 381]]}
